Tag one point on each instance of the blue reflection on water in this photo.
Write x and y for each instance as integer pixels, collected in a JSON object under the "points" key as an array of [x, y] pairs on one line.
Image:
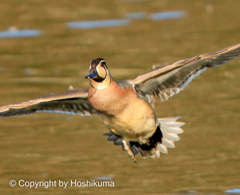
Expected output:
{"points": [[104, 178], [233, 191], [137, 15], [19, 33], [134, 0], [167, 15], [98, 23]]}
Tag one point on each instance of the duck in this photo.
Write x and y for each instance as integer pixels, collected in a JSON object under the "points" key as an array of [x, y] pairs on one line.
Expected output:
{"points": [[127, 107]]}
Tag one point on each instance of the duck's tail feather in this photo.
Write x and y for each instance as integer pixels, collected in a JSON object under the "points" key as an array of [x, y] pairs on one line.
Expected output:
{"points": [[164, 137]]}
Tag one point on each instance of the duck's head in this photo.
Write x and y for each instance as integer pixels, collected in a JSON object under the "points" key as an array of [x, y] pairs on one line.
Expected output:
{"points": [[99, 73]]}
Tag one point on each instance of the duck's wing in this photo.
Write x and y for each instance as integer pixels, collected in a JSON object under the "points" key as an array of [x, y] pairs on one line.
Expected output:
{"points": [[73, 101], [169, 80]]}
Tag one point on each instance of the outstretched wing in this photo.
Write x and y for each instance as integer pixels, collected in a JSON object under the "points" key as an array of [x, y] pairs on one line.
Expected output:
{"points": [[73, 101], [169, 80]]}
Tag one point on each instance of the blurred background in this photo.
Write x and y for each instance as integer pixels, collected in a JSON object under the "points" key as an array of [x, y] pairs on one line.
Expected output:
{"points": [[53, 53]]}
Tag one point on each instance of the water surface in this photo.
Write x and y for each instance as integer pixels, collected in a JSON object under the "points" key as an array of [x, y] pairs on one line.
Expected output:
{"points": [[167, 15], [98, 23], [233, 191], [20, 33], [46, 146]]}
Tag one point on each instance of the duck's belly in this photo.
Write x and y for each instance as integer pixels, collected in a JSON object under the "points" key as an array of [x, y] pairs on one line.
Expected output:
{"points": [[135, 121]]}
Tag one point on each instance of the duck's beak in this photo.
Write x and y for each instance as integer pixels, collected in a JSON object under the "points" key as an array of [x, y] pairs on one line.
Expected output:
{"points": [[91, 74]]}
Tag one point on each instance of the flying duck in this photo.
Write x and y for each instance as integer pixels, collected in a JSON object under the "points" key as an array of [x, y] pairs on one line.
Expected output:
{"points": [[127, 107]]}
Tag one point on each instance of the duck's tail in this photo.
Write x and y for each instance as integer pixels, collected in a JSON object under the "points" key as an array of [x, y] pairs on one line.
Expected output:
{"points": [[164, 137]]}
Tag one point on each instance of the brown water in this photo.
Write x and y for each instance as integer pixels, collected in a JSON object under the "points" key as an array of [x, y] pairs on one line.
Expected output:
{"points": [[62, 147]]}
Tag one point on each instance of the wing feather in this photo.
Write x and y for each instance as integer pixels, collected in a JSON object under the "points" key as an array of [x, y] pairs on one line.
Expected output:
{"points": [[168, 80], [73, 101]]}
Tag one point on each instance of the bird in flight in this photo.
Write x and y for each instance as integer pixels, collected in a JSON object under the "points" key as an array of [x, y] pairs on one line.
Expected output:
{"points": [[127, 107]]}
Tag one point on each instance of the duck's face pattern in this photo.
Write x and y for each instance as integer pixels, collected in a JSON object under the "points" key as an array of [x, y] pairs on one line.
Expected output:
{"points": [[98, 70]]}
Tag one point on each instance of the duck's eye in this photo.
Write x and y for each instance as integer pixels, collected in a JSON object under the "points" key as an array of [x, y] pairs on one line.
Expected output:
{"points": [[103, 63]]}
